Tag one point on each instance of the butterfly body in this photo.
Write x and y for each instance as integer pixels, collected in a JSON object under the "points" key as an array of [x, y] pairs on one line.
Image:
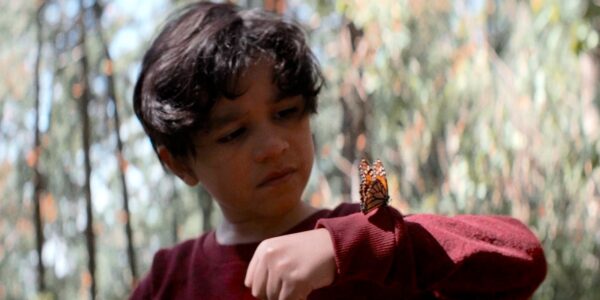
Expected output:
{"points": [[373, 185]]}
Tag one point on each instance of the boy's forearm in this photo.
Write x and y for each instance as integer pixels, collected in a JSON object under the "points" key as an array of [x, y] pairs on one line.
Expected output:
{"points": [[474, 256], [454, 257]]}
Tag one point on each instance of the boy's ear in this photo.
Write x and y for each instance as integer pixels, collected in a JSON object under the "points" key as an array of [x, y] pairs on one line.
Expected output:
{"points": [[179, 168]]}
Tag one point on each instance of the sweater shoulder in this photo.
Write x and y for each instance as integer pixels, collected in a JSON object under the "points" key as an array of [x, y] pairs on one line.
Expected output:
{"points": [[175, 254], [171, 266]]}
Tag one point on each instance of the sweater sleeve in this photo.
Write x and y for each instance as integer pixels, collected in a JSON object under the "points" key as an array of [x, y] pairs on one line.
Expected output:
{"points": [[142, 291], [461, 257]]}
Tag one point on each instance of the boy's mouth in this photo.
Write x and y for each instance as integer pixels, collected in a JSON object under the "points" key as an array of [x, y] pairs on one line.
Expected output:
{"points": [[277, 177]]}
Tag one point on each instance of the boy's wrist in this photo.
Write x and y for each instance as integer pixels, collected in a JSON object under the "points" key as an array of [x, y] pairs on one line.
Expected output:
{"points": [[291, 266]]}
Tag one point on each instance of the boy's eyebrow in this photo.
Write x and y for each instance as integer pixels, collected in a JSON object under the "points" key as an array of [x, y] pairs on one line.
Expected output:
{"points": [[279, 97], [220, 120], [223, 119]]}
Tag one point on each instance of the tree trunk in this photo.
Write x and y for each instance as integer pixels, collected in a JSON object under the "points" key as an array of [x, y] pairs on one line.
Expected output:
{"points": [[37, 176], [206, 205], [250, 3], [174, 205], [355, 110], [112, 96], [277, 6], [83, 99]]}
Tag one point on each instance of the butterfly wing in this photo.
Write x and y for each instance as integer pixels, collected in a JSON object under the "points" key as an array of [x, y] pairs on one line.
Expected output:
{"points": [[365, 180], [373, 187], [379, 172], [380, 185]]}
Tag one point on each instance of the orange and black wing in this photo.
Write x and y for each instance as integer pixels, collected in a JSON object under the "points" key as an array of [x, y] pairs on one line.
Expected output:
{"points": [[373, 187], [365, 179]]}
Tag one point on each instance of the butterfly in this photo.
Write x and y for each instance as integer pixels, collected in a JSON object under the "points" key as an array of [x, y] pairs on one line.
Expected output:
{"points": [[373, 185]]}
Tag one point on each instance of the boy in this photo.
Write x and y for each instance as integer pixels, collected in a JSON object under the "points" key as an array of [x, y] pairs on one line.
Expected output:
{"points": [[225, 96]]}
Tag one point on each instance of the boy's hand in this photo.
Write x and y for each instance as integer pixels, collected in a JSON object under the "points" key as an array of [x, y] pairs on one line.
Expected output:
{"points": [[291, 266]]}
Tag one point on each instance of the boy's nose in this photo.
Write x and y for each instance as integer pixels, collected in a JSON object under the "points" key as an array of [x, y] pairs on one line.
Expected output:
{"points": [[269, 146]]}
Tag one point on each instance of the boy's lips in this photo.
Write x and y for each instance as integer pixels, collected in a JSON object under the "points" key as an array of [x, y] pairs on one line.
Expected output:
{"points": [[276, 177]]}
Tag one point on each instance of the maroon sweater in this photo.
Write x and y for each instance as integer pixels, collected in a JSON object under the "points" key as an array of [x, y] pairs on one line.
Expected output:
{"points": [[379, 256]]}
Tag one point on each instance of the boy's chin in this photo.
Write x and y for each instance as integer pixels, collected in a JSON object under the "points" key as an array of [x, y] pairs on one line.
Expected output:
{"points": [[282, 206], [278, 207]]}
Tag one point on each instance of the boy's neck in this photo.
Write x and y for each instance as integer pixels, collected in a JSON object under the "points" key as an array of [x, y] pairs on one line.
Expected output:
{"points": [[258, 229]]}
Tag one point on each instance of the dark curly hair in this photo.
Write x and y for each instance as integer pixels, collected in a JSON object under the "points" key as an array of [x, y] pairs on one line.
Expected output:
{"points": [[198, 58]]}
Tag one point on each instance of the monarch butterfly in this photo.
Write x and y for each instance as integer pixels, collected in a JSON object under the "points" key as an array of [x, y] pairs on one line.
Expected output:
{"points": [[373, 185]]}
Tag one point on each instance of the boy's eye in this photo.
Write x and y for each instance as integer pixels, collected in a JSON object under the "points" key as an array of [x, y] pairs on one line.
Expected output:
{"points": [[287, 113], [231, 136]]}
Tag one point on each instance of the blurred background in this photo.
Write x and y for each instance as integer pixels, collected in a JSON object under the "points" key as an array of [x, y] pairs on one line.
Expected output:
{"points": [[474, 106]]}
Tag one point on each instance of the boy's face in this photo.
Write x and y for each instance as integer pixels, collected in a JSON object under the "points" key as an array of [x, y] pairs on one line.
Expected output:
{"points": [[256, 156]]}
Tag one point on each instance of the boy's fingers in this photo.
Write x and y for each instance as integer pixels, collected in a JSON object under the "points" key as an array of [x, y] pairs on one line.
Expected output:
{"points": [[273, 286], [250, 271], [259, 279], [284, 294], [288, 293]]}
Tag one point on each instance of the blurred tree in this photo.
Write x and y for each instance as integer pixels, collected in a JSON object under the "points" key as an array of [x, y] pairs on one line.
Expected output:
{"points": [[33, 160], [206, 206], [82, 94], [277, 6], [112, 96]]}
